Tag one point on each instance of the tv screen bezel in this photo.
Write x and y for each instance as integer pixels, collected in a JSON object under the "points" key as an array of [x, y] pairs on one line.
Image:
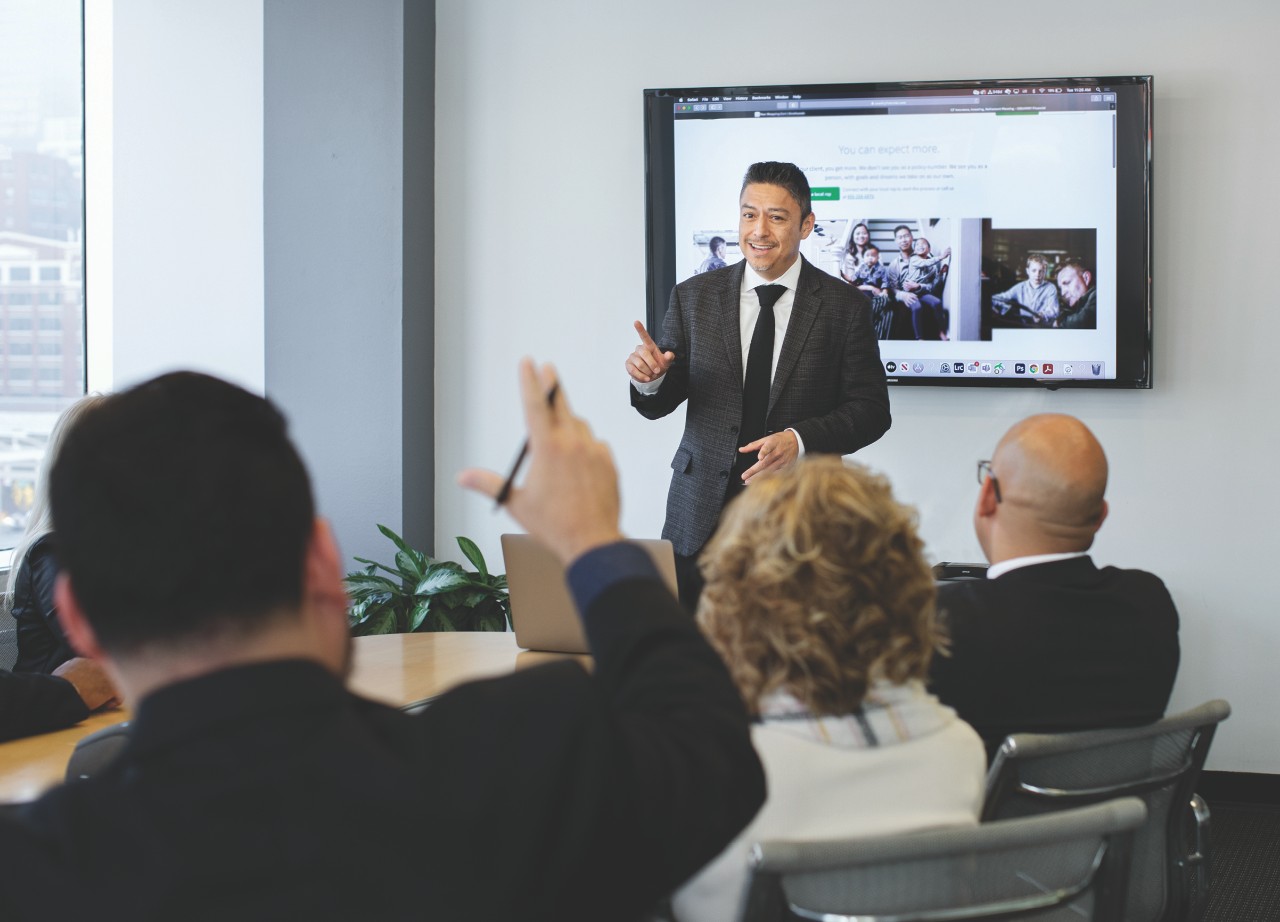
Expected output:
{"points": [[1134, 225]]}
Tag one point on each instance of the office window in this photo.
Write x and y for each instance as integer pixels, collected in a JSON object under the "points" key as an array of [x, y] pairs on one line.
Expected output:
{"points": [[41, 236]]}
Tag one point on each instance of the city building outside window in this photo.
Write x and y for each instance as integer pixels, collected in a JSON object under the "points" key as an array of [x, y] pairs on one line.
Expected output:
{"points": [[41, 238]]}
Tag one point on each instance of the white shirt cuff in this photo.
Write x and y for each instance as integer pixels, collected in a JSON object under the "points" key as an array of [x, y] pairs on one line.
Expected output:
{"points": [[650, 388]]}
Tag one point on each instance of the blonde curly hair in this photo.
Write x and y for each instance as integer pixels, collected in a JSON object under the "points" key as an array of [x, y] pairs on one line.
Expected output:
{"points": [[816, 584]]}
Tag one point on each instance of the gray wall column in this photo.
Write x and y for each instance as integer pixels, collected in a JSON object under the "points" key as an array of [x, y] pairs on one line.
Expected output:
{"points": [[349, 268]]}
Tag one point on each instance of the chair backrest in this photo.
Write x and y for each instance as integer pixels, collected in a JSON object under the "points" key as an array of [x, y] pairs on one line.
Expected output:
{"points": [[8, 638], [97, 750], [1037, 773], [1072, 865]]}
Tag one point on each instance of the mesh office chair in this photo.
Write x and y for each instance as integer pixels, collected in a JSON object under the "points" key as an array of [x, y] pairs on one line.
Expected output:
{"points": [[97, 750], [1072, 865], [1161, 763], [8, 638]]}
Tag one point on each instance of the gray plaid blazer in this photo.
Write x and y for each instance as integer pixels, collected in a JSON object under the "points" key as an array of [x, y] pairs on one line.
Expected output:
{"points": [[829, 386]]}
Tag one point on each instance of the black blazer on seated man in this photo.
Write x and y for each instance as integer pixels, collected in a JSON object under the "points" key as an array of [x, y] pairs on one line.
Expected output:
{"points": [[828, 385], [33, 703], [1056, 647], [268, 791]]}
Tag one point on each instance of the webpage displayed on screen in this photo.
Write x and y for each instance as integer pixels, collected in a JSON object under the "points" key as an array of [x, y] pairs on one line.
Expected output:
{"points": [[1000, 205]]}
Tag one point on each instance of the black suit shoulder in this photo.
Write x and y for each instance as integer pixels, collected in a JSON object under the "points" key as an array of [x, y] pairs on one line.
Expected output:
{"points": [[1057, 647]]}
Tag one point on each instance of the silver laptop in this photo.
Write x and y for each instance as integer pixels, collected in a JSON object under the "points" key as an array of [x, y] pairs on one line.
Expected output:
{"points": [[542, 611]]}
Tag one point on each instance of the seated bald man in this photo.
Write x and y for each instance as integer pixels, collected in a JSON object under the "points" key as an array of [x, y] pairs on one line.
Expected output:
{"points": [[1049, 642]]}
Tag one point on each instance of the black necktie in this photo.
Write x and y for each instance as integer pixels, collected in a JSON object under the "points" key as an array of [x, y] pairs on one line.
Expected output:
{"points": [[755, 388]]}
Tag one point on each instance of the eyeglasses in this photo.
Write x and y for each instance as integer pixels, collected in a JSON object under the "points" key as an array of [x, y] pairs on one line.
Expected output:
{"points": [[985, 472]]}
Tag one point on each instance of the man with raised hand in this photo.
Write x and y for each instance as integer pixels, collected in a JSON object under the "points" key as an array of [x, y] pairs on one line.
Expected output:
{"points": [[255, 785], [1049, 642], [759, 395]]}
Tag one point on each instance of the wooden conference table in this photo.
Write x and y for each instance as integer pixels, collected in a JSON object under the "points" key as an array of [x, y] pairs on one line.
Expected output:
{"points": [[403, 670]]}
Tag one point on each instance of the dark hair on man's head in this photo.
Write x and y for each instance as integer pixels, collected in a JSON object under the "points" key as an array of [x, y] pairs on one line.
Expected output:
{"points": [[901, 227], [713, 243], [182, 511], [786, 175]]}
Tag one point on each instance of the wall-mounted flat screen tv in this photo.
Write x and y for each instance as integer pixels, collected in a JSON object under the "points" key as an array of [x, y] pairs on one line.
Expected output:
{"points": [[1001, 229]]}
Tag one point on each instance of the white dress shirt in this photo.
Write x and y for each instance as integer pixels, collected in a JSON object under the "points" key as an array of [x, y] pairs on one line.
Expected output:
{"points": [[1013, 563]]}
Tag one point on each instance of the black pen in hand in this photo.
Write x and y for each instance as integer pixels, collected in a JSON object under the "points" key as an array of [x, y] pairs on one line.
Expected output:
{"points": [[505, 493]]}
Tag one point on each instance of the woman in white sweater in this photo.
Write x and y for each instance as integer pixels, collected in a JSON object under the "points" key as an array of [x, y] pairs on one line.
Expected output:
{"points": [[821, 604]]}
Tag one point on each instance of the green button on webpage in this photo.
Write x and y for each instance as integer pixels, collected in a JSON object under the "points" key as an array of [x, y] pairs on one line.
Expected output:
{"points": [[824, 193]]}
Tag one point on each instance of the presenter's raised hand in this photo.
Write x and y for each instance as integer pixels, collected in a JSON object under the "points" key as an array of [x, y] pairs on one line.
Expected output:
{"points": [[647, 362], [773, 452], [569, 498]]}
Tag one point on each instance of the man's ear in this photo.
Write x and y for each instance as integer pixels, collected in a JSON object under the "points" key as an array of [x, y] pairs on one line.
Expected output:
{"points": [[806, 226], [1102, 516], [74, 623], [323, 573], [324, 604], [987, 504]]}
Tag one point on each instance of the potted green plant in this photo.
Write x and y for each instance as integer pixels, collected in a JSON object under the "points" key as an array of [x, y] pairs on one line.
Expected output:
{"points": [[420, 593]]}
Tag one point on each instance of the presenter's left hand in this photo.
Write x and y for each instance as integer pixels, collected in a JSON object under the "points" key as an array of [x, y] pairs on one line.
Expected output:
{"points": [[775, 451]]}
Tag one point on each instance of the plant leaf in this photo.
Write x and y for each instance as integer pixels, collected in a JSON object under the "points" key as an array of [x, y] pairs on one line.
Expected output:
{"points": [[411, 564], [395, 539], [440, 581], [475, 598], [489, 620], [363, 598], [383, 621], [418, 614], [473, 554], [440, 621], [362, 580], [373, 563]]}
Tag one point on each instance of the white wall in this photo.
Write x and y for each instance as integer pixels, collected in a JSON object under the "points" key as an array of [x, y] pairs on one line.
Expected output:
{"points": [[174, 159], [540, 251]]}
